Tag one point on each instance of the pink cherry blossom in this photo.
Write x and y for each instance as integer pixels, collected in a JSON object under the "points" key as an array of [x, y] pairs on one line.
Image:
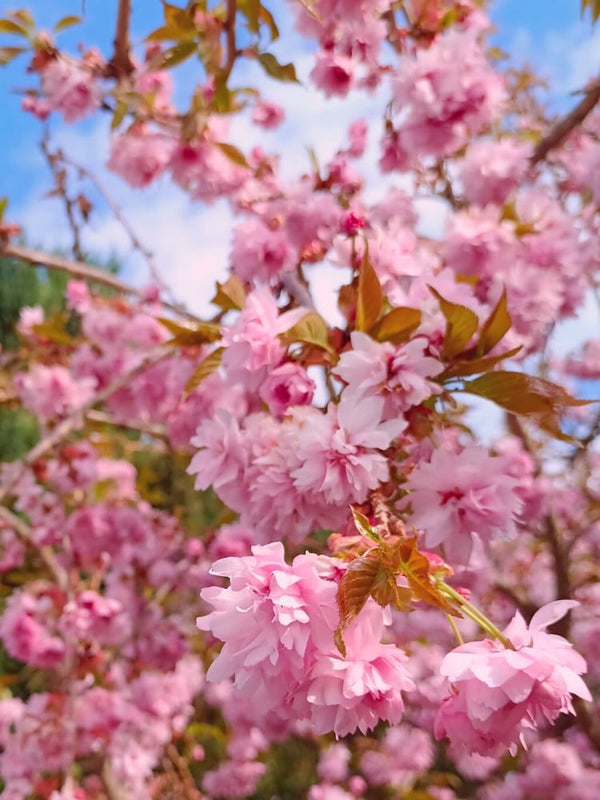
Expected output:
{"points": [[53, 391], [397, 373], [334, 74], [268, 115], [285, 386], [497, 692], [140, 156], [450, 92], [70, 89], [458, 494]]}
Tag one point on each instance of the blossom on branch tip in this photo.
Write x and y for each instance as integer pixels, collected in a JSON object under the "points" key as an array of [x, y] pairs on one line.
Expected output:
{"points": [[496, 692]]}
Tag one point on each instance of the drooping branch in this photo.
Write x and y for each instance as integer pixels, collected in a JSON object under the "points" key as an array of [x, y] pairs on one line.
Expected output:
{"points": [[564, 126], [82, 271]]}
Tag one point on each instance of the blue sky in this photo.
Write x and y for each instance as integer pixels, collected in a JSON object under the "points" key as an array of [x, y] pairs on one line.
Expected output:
{"points": [[189, 240], [533, 30]]}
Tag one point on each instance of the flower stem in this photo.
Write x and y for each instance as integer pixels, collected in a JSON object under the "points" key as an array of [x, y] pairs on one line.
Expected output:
{"points": [[475, 614], [455, 630]]}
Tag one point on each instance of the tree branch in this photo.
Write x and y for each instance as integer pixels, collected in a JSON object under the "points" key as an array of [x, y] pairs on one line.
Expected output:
{"points": [[229, 27], [25, 533], [82, 271], [75, 420], [564, 126], [121, 64]]}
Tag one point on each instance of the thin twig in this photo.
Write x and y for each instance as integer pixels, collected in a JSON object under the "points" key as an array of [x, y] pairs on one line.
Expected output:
{"points": [[75, 420], [83, 271], [25, 533], [152, 429], [59, 175], [564, 126], [117, 211]]}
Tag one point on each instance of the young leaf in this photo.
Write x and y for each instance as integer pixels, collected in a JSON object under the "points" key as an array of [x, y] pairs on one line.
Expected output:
{"points": [[461, 324], [191, 336], [397, 325], [66, 22], [233, 154], [363, 526], [24, 17], [370, 295], [119, 115], [416, 568], [523, 394], [594, 6], [281, 72], [9, 26], [178, 54], [8, 53], [231, 295], [311, 329], [203, 370], [178, 19], [371, 575], [251, 10], [476, 365], [495, 327]]}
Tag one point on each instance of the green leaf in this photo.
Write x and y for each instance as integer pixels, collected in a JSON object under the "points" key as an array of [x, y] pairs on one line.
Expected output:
{"points": [[251, 10], [9, 26], [311, 329], [178, 54], [178, 19], [8, 53], [119, 115], [397, 325], [525, 395], [163, 34], [233, 153], [55, 330], [3, 207], [461, 324], [203, 370], [24, 17], [281, 72], [191, 335], [495, 327], [370, 296], [66, 22], [231, 295]]}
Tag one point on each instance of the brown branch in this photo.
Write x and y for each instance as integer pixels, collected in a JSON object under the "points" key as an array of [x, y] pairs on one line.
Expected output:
{"points": [[564, 126], [75, 420], [25, 533], [119, 215], [121, 64], [229, 27], [53, 160], [82, 271], [564, 590]]}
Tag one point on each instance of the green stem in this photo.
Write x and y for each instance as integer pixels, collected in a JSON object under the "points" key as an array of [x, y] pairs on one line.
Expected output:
{"points": [[455, 630], [475, 614]]}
